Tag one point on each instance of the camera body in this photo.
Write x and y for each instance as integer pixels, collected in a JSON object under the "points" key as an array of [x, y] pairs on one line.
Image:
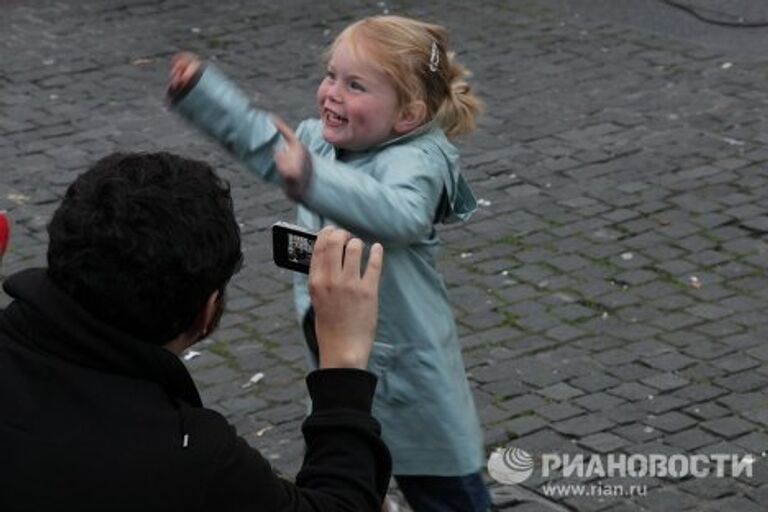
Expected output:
{"points": [[292, 246]]}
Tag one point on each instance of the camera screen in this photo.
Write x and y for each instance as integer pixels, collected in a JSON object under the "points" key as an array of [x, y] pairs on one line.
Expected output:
{"points": [[299, 249]]}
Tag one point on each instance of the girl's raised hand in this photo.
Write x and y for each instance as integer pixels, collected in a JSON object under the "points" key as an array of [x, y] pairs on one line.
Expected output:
{"points": [[184, 66], [293, 162]]}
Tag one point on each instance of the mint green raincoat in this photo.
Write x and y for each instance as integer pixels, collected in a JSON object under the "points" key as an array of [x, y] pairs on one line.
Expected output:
{"points": [[393, 194]]}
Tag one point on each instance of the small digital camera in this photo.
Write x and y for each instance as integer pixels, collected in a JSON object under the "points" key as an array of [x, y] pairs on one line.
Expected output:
{"points": [[292, 246]]}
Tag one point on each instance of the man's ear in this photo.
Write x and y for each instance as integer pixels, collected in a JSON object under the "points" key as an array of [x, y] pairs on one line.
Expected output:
{"points": [[411, 116], [199, 329], [207, 314]]}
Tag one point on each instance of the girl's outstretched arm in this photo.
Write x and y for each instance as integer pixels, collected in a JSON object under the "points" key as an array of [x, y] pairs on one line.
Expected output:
{"points": [[215, 105]]}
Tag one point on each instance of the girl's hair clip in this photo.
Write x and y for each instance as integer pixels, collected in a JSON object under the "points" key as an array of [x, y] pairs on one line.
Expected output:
{"points": [[434, 58]]}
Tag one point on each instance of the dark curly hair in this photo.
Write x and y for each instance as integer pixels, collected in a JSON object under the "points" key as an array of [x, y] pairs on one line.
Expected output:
{"points": [[141, 240]]}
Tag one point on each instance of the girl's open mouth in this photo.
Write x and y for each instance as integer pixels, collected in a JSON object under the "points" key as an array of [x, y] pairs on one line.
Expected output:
{"points": [[333, 119]]}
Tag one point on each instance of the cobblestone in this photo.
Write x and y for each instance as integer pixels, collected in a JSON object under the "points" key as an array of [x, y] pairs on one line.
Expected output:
{"points": [[728, 427], [603, 442], [665, 381], [690, 439], [671, 422], [665, 499], [583, 425]]}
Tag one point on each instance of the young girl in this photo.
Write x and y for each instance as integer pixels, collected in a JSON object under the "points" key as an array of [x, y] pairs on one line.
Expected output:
{"points": [[378, 162]]}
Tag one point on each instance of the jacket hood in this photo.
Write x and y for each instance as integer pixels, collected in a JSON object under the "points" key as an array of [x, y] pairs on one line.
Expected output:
{"points": [[47, 320], [461, 202]]}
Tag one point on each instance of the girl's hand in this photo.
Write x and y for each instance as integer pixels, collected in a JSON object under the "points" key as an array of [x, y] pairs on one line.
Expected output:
{"points": [[293, 162], [184, 66]]}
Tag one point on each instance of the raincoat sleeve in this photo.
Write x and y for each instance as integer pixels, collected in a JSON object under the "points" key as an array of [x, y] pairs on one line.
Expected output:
{"points": [[220, 109], [397, 206]]}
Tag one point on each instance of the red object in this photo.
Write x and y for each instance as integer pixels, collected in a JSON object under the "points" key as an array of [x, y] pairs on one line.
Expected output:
{"points": [[5, 233]]}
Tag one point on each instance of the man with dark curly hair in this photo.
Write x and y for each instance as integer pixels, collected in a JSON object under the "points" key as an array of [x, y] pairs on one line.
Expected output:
{"points": [[96, 410]]}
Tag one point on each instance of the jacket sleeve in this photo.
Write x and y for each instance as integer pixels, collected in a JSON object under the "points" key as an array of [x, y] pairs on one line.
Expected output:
{"points": [[397, 207], [220, 109], [346, 466]]}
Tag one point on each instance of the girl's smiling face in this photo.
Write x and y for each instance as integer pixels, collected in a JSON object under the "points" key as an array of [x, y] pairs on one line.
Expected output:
{"points": [[358, 103]]}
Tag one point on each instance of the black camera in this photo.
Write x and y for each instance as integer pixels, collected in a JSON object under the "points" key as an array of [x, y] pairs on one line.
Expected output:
{"points": [[292, 246]]}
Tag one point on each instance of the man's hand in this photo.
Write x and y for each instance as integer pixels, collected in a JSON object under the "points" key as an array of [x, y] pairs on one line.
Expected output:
{"points": [[184, 66], [293, 162], [346, 304]]}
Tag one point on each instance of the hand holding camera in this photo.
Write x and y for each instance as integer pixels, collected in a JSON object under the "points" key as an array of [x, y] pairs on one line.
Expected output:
{"points": [[345, 298]]}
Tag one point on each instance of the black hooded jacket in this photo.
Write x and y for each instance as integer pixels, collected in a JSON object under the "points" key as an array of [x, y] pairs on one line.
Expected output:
{"points": [[92, 419]]}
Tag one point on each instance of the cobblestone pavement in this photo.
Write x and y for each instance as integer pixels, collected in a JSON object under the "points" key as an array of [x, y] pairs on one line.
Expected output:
{"points": [[611, 291]]}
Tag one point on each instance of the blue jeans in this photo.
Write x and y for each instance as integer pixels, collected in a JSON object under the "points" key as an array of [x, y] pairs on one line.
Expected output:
{"points": [[445, 493]]}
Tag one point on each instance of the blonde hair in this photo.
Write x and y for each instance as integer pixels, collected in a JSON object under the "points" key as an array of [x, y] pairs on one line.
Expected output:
{"points": [[403, 48]]}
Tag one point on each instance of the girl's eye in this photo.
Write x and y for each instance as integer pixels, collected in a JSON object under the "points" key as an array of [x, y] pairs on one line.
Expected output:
{"points": [[354, 84], [330, 75]]}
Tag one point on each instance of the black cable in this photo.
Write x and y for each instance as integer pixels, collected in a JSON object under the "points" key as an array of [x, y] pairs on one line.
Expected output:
{"points": [[713, 21]]}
